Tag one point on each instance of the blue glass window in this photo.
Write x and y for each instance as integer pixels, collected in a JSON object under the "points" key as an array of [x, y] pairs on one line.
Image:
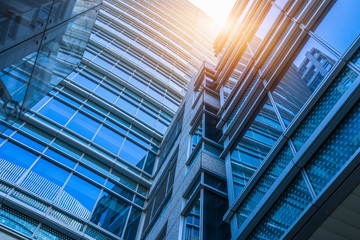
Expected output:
{"points": [[51, 172], [83, 125], [90, 174], [45, 179], [133, 153], [111, 213], [133, 224], [126, 105], [335, 152], [109, 139], [284, 213], [150, 161], [40, 103], [122, 73], [192, 222], [120, 190], [86, 198], [22, 158], [147, 118], [60, 158], [29, 142], [57, 111], [340, 25], [106, 94], [85, 81]]}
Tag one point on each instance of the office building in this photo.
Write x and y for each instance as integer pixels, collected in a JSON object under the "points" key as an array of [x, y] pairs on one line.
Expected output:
{"points": [[80, 162], [290, 122], [285, 96], [264, 143]]}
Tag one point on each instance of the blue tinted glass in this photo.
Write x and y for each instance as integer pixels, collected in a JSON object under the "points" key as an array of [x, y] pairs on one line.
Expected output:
{"points": [[133, 153], [126, 105], [111, 213], [29, 142], [117, 127], [83, 125], [57, 111], [150, 163], [59, 95], [90, 174], [335, 152], [40, 103], [120, 190], [147, 118], [103, 63], [337, 88], [110, 96], [92, 162], [264, 183], [132, 226], [92, 113], [161, 127], [85, 82], [340, 26], [121, 73], [108, 139], [17, 155], [51, 172], [81, 191], [60, 158]]}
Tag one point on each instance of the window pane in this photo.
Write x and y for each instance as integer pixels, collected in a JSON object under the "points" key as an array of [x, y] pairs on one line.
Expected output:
{"points": [[57, 111], [108, 139], [22, 158], [29, 142], [60, 158], [340, 26], [133, 153], [79, 202], [111, 213], [83, 125]]}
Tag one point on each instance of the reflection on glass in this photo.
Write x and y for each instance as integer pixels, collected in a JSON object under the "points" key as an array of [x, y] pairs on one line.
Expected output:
{"points": [[306, 73], [111, 213], [45, 179], [78, 202], [57, 111], [340, 25], [83, 125], [133, 153], [108, 139], [132, 225], [252, 148]]}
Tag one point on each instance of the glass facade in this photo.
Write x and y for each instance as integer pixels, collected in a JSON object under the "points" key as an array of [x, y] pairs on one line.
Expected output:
{"points": [[86, 152], [279, 107], [118, 145], [41, 43]]}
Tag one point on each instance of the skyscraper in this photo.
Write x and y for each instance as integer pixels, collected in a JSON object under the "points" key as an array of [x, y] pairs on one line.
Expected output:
{"points": [[290, 122], [79, 164], [262, 144], [284, 94]]}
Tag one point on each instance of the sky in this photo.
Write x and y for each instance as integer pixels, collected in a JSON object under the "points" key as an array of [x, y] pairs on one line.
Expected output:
{"points": [[216, 9]]}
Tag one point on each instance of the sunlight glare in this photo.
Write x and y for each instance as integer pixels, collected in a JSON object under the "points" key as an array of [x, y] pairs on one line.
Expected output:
{"points": [[218, 10]]}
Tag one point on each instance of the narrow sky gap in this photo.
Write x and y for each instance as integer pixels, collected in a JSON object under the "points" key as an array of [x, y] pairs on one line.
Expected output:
{"points": [[218, 10]]}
